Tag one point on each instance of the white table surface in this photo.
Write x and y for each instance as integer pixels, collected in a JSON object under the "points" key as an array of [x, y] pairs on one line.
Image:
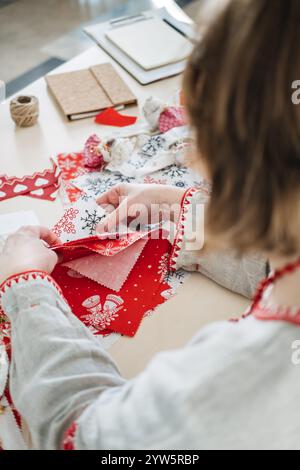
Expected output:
{"points": [[23, 151]]}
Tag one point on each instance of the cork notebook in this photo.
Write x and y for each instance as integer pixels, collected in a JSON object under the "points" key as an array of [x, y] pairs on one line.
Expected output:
{"points": [[84, 93]]}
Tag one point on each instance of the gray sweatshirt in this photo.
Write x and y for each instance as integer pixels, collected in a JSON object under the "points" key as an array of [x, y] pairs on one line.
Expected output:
{"points": [[234, 386]]}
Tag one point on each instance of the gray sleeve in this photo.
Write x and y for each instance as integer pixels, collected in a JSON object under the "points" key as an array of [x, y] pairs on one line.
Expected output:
{"points": [[238, 274], [197, 397], [200, 396], [58, 367]]}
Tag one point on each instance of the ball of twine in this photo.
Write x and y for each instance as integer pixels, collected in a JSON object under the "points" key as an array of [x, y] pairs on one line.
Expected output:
{"points": [[24, 110]]}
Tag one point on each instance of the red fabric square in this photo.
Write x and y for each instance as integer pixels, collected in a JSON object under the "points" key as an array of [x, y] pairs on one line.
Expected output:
{"points": [[104, 311]]}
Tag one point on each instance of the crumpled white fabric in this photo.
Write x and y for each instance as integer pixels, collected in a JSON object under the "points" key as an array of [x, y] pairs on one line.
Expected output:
{"points": [[124, 148], [120, 151], [152, 109]]}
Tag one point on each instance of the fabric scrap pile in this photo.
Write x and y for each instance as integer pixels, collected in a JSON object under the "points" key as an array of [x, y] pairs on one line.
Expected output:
{"points": [[157, 156]]}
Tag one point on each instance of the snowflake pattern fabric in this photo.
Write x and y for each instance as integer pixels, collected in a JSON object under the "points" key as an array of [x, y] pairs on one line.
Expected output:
{"points": [[97, 184], [151, 161], [153, 145], [93, 185], [91, 220]]}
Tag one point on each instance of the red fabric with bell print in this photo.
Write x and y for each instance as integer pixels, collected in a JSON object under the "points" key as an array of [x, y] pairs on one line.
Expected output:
{"points": [[104, 310]]}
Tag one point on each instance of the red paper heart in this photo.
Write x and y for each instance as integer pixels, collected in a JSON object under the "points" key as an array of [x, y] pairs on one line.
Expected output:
{"points": [[111, 117]]}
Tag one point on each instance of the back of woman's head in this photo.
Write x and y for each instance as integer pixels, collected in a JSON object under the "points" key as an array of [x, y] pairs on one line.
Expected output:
{"points": [[238, 91]]}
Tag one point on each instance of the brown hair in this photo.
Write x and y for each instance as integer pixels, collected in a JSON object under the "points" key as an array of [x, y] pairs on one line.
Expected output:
{"points": [[238, 89]]}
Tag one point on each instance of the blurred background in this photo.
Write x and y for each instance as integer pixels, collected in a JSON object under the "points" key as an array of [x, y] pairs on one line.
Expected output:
{"points": [[38, 35]]}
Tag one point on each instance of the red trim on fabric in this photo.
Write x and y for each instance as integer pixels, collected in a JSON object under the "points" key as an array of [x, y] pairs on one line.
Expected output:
{"points": [[264, 313], [27, 276], [177, 245], [279, 314], [261, 313], [68, 442]]}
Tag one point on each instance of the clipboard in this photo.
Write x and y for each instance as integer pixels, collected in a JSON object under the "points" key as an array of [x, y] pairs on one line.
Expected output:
{"points": [[151, 42], [98, 33]]}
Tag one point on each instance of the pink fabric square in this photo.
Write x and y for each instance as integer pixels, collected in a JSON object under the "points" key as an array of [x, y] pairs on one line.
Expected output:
{"points": [[171, 117], [109, 271]]}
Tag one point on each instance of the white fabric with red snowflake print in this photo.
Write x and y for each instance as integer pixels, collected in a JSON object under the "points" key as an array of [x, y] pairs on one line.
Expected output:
{"points": [[79, 221]]}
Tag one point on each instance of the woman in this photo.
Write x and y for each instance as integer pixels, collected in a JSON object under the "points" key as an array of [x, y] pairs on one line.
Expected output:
{"points": [[235, 384]]}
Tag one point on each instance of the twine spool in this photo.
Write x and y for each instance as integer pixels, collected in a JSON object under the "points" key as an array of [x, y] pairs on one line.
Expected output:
{"points": [[24, 110]]}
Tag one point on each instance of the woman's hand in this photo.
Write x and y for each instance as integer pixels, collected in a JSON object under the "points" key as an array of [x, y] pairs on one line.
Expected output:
{"points": [[149, 202], [28, 250]]}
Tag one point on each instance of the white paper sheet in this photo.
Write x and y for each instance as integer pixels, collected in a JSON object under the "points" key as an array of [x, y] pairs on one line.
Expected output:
{"points": [[12, 221]]}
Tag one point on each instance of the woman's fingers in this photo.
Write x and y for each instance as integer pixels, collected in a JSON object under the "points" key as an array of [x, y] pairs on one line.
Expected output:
{"points": [[112, 196], [112, 221], [43, 233], [54, 260], [104, 199], [48, 236]]}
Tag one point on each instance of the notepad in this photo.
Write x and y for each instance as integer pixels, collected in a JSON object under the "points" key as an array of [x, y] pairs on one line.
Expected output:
{"points": [[151, 42], [83, 93]]}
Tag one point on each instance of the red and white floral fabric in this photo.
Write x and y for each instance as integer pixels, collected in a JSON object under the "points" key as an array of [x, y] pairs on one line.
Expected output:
{"points": [[71, 166]]}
